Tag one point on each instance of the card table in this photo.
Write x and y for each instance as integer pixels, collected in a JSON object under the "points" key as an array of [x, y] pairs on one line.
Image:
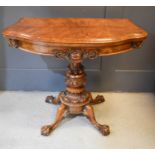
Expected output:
{"points": [[75, 39]]}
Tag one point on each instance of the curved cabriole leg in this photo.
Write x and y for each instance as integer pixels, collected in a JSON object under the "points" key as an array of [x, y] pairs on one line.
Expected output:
{"points": [[52, 99], [89, 113], [47, 129]]}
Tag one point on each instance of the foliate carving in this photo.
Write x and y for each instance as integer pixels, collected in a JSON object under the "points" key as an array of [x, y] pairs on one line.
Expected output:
{"points": [[77, 100], [61, 54], [76, 54], [75, 81], [75, 68], [13, 43]]}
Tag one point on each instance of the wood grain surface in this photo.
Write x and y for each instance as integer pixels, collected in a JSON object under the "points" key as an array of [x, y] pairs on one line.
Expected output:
{"points": [[44, 35]]}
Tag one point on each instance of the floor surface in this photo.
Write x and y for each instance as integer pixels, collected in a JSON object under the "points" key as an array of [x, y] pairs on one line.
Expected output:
{"points": [[131, 117]]}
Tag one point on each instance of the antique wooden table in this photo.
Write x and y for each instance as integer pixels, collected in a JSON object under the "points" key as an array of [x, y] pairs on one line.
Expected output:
{"points": [[74, 39]]}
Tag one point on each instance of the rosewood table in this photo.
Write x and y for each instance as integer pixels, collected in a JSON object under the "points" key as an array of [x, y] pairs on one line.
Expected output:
{"points": [[74, 39]]}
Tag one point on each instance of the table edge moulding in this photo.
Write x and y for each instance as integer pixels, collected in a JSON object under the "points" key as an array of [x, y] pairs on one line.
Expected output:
{"points": [[75, 39]]}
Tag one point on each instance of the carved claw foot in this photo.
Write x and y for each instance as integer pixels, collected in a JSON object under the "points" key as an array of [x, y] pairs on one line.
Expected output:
{"points": [[46, 130], [53, 100], [49, 99], [104, 129], [89, 113], [98, 99]]}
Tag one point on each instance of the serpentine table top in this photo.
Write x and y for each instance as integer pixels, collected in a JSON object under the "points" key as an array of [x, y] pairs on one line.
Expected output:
{"points": [[47, 36]]}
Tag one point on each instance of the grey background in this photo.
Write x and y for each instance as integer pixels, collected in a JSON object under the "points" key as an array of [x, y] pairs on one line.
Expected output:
{"points": [[133, 71]]}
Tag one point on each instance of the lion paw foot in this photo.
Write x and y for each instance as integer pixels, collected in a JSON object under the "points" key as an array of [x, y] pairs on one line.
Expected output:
{"points": [[105, 130], [46, 130], [99, 99]]}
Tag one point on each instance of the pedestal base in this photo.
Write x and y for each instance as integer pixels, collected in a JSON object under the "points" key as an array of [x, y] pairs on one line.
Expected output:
{"points": [[84, 108]]}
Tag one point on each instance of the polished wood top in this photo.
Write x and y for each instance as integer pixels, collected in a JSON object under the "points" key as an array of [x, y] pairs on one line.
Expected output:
{"points": [[74, 32]]}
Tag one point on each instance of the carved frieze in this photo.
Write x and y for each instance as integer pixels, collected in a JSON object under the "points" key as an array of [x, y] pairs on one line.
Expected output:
{"points": [[76, 54]]}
